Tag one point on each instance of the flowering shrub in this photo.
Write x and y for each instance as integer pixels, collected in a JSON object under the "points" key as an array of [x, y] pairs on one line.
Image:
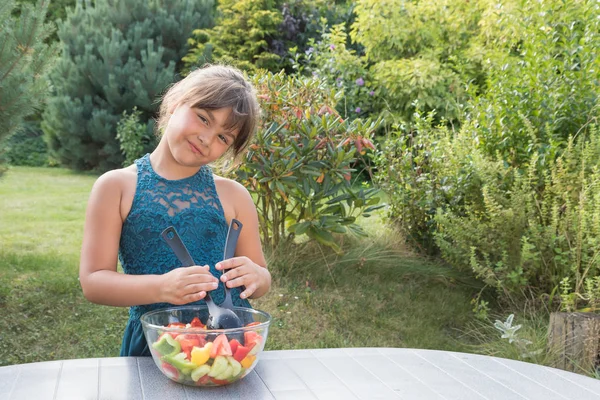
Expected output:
{"points": [[300, 165], [341, 68]]}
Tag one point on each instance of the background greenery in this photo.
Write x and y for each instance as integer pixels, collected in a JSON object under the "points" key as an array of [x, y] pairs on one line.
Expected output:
{"points": [[25, 59], [475, 123]]}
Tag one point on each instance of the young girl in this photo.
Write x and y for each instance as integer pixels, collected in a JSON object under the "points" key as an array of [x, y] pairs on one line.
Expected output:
{"points": [[210, 113]]}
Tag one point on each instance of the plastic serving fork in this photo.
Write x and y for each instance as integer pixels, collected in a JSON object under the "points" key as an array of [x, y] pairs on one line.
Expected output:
{"points": [[219, 317]]}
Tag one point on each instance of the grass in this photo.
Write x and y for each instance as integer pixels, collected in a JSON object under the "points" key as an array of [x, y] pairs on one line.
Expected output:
{"points": [[376, 294]]}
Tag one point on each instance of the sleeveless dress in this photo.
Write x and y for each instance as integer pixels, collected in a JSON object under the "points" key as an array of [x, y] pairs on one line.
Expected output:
{"points": [[192, 206]]}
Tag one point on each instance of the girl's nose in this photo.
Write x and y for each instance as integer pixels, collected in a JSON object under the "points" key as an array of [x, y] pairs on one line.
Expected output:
{"points": [[204, 139]]}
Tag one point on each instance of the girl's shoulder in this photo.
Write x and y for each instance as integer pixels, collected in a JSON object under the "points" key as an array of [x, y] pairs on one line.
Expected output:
{"points": [[119, 183], [115, 189], [228, 184], [234, 197], [119, 178]]}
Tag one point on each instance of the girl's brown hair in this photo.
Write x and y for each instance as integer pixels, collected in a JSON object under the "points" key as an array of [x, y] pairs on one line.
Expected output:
{"points": [[213, 87]]}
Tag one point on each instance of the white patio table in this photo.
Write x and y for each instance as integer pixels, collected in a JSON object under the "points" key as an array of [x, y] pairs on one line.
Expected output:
{"points": [[347, 373]]}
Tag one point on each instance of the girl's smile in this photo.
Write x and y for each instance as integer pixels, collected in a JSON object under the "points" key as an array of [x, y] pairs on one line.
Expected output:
{"points": [[195, 149]]}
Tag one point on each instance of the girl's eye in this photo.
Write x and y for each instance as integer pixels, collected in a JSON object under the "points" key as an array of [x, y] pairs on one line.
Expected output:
{"points": [[203, 119], [223, 139]]}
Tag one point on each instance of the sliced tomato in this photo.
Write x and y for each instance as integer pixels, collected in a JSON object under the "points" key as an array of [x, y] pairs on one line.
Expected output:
{"points": [[241, 352], [251, 338], [253, 323], [204, 380], [200, 338], [233, 343], [187, 342], [196, 323], [219, 381], [170, 371], [176, 325], [220, 347]]}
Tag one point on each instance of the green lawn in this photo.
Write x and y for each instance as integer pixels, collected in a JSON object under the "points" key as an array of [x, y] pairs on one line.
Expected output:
{"points": [[376, 294]]}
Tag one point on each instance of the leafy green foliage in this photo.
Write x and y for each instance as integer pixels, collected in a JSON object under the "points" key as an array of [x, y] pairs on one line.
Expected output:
{"points": [[511, 194], [519, 233], [342, 69], [135, 138], [509, 332], [392, 29], [588, 296], [116, 55], [428, 169], [420, 53], [26, 146], [301, 162], [254, 34], [242, 36], [541, 229], [24, 61], [542, 77]]}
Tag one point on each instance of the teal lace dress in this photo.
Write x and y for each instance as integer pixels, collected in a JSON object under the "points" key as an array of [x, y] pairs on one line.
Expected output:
{"points": [[192, 206]]}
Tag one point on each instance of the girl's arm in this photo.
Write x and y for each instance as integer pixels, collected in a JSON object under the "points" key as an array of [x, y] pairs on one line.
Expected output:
{"points": [[98, 276]]}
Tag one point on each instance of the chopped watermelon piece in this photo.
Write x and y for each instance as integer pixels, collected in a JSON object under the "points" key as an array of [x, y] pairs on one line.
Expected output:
{"points": [[220, 347]]}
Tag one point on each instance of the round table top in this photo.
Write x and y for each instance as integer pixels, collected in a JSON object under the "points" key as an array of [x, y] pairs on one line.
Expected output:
{"points": [[346, 373]]}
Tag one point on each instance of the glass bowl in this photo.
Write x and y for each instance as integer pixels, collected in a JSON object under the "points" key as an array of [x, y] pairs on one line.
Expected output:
{"points": [[186, 352]]}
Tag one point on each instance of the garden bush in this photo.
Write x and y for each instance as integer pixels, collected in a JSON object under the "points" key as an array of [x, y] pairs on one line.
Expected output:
{"points": [[254, 34], [542, 70], [432, 168], [135, 137], [521, 232], [300, 164], [523, 240], [510, 193], [27, 146], [342, 68], [420, 54]]}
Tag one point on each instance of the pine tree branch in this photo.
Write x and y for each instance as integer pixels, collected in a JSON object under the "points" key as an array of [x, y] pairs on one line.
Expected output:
{"points": [[28, 43]]}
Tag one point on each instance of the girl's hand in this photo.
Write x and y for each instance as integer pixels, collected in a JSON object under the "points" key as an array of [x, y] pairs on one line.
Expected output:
{"points": [[187, 284], [243, 272]]}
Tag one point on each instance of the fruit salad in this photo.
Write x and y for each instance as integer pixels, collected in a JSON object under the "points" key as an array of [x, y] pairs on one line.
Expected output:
{"points": [[206, 359]]}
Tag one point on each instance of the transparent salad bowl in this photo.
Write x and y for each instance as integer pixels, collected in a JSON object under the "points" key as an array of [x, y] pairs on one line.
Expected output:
{"points": [[188, 353]]}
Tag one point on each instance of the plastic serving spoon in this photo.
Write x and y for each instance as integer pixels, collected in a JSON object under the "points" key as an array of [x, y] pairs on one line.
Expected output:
{"points": [[233, 234], [219, 317]]}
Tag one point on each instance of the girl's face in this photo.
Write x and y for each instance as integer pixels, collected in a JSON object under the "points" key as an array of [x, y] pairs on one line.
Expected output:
{"points": [[196, 136]]}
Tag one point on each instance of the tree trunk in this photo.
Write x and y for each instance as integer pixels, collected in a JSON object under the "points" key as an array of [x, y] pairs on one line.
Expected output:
{"points": [[575, 340]]}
